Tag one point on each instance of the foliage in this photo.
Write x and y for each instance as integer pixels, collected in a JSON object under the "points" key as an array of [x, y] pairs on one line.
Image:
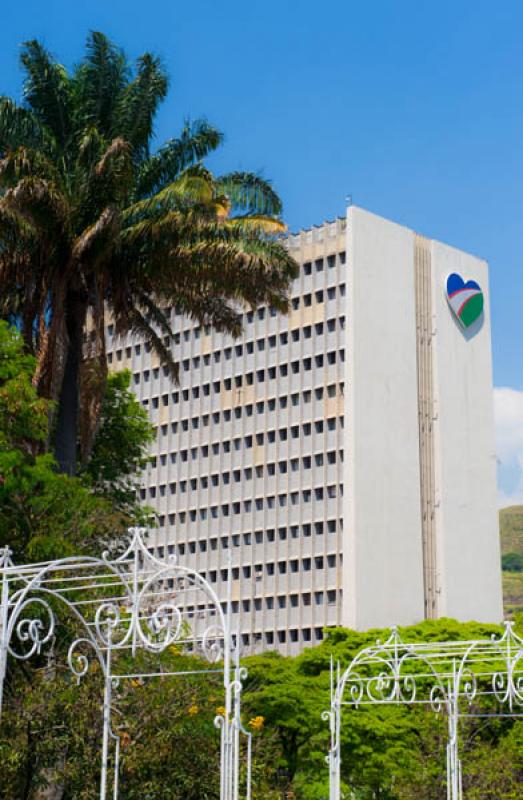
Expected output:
{"points": [[93, 223], [51, 734], [44, 514], [171, 747], [389, 753], [512, 562], [120, 450]]}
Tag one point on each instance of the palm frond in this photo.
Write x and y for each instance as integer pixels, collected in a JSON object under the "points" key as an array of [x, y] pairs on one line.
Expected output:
{"points": [[257, 222], [97, 242], [196, 141], [38, 203], [26, 162], [47, 89], [99, 81], [18, 127], [249, 193], [193, 187], [114, 171], [140, 325], [139, 103]]}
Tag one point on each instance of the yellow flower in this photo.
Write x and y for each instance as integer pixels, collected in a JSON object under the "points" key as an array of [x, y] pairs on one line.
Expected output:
{"points": [[221, 710], [256, 723], [193, 710], [125, 739]]}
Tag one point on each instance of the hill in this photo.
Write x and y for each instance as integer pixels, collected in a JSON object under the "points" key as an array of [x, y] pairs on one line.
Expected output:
{"points": [[511, 533], [511, 529]]}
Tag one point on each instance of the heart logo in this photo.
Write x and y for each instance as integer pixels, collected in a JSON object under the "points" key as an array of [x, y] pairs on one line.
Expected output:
{"points": [[465, 299]]}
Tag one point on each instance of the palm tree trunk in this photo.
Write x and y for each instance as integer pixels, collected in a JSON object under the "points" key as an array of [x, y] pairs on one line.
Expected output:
{"points": [[66, 433]]}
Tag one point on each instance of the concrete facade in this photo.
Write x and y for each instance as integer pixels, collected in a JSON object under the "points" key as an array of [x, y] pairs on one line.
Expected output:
{"points": [[341, 456], [421, 533]]}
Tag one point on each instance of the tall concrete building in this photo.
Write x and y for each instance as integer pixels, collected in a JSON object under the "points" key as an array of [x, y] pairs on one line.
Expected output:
{"points": [[342, 457]]}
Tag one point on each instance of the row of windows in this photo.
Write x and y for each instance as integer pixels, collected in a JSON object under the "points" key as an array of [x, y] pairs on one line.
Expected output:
{"points": [[261, 312], [249, 378], [246, 474], [283, 500], [319, 263], [270, 437], [306, 300], [271, 568], [256, 537], [284, 401], [281, 601], [260, 345], [282, 636]]}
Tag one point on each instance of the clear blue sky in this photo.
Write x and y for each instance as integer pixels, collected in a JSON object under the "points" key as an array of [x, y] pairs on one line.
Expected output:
{"points": [[413, 107]]}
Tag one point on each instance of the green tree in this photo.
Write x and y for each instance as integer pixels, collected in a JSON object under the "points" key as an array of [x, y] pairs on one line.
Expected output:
{"points": [[120, 450], [44, 514], [93, 223], [512, 562]]}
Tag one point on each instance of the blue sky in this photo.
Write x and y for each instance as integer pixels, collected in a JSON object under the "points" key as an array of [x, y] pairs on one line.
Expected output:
{"points": [[413, 107]]}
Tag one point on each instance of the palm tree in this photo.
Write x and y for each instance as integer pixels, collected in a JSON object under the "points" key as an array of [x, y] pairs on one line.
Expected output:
{"points": [[95, 225]]}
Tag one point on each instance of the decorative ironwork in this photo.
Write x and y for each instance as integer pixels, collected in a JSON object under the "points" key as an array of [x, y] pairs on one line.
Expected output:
{"points": [[444, 676], [133, 602]]}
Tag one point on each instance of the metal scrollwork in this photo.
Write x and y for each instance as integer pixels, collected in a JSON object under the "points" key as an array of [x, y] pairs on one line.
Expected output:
{"points": [[126, 604], [213, 643], [77, 660], [32, 632], [447, 677]]}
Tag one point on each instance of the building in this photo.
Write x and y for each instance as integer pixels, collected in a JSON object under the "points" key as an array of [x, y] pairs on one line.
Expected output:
{"points": [[341, 456]]}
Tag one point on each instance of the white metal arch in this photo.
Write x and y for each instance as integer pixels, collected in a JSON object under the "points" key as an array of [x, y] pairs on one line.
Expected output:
{"points": [[445, 676], [133, 602]]}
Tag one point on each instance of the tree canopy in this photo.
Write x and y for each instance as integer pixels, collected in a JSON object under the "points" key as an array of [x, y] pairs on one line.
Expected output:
{"points": [[44, 514], [95, 224]]}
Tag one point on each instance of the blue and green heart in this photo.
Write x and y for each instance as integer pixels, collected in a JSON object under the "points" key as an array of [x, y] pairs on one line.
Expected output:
{"points": [[465, 299]]}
